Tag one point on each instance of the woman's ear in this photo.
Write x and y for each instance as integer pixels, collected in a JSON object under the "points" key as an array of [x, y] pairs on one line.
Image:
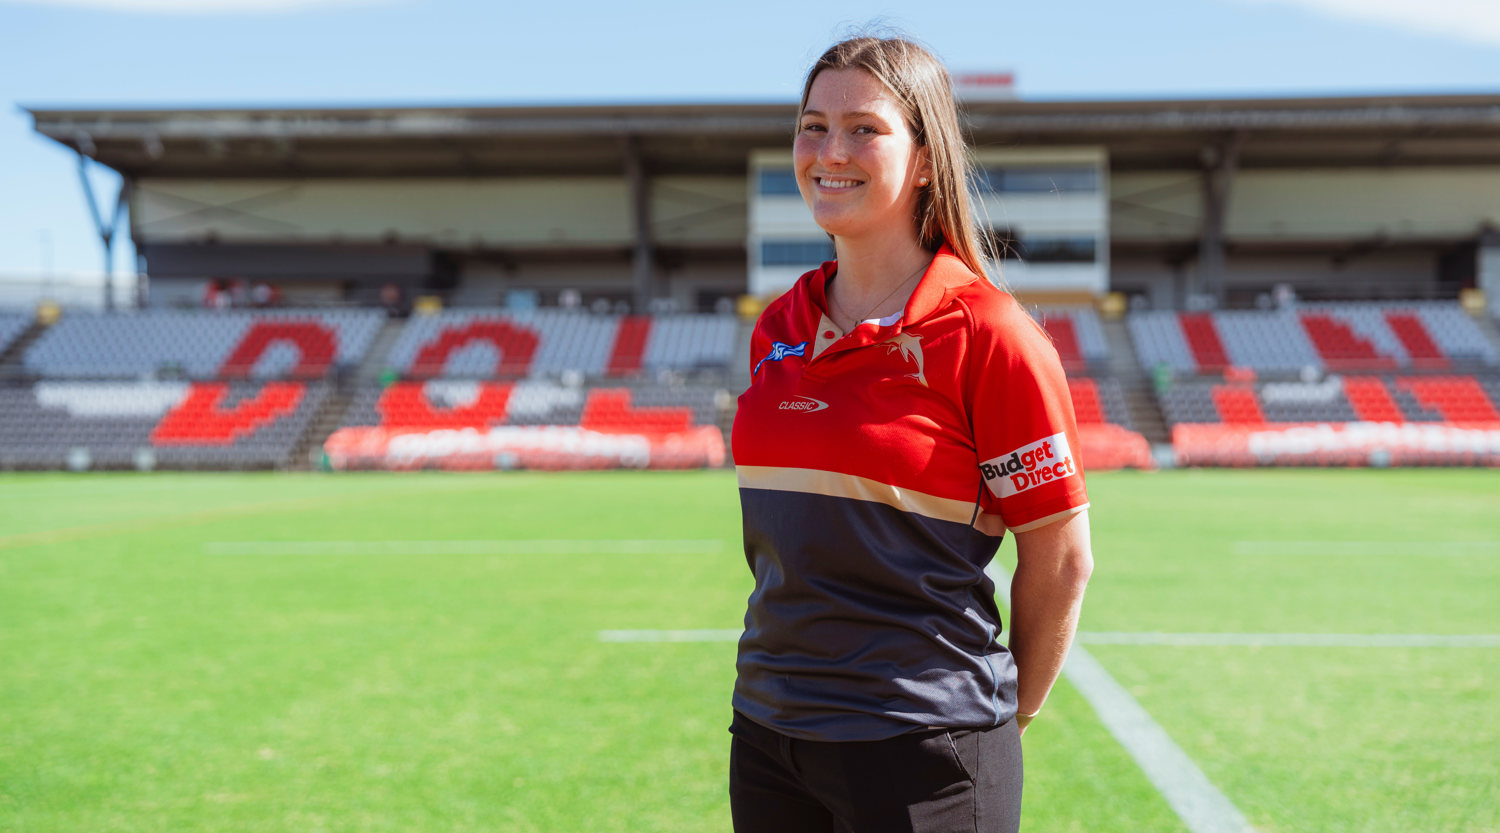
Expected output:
{"points": [[924, 167]]}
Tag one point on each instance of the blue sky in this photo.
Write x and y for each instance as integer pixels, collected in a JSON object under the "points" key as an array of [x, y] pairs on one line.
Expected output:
{"points": [[111, 53]]}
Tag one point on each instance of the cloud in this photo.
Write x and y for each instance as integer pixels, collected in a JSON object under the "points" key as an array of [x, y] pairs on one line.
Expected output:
{"points": [[1475, 21], [203, 7]]}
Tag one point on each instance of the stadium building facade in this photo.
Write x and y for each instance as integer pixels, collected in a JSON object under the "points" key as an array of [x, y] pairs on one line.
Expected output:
{"points": [[1235, 282], [1178, 203]]}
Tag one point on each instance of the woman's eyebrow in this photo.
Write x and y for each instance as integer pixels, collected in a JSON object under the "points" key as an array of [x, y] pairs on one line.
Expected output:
{"points": [[849, 114]]}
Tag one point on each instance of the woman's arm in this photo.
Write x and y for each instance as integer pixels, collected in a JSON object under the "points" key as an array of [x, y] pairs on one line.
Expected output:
{"points": [[1053, 564]]}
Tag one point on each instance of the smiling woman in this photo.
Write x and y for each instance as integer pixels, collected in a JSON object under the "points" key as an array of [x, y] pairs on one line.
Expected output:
{"points": [[903, 413]]}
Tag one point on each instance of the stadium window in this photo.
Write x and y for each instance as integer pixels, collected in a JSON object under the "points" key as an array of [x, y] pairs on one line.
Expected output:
{"points": [[1063, 179], [1003, 243], [778, 182], [807, 253], [1010, 246], [1057, 249]]}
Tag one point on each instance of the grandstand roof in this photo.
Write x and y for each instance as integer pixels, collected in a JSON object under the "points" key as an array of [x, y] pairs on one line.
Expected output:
{"points": [[717, 138]]}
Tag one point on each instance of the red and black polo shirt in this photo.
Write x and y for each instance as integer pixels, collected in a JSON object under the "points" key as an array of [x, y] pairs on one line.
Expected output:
{"points": [[878, 471]]}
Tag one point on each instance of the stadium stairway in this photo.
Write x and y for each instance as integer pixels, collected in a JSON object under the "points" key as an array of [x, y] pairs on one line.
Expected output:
{"points": [[375, 361], [10, 358], [1125, 366], [1491, 329], [308, 451]]}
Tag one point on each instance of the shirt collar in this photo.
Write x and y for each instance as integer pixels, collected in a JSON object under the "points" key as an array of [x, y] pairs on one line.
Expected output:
{"points": [[945, 276]]}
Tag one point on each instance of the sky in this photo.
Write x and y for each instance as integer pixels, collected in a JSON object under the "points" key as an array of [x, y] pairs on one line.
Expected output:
{"points": [[193, 53]]}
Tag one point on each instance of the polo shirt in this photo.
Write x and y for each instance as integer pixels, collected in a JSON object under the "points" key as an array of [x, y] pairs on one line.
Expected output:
{"points": [[878, 472]]}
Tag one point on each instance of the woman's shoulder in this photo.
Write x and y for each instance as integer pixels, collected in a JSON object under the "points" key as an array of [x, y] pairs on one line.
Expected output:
{"points": [[991, 306], [999, 323]]}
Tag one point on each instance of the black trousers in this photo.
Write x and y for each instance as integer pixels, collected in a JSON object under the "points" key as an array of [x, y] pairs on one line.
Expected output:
{"points": [[930, 781]]}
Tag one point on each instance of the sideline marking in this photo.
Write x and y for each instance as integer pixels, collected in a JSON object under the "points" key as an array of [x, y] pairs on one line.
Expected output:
{"points": [[1295, 640], [1200, 805], [1403, 549], [210, 514], [496, 546]]}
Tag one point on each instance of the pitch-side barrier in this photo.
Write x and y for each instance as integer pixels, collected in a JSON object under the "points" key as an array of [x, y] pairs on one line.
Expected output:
{"points": [[541, 447], [1376, 444]]}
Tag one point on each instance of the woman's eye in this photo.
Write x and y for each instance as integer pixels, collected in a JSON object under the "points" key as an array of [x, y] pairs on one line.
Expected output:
{"points": [[809, 128]]}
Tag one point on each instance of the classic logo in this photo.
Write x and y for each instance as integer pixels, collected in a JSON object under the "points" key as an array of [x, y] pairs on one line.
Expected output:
{"points": [[910, 345], [780, 351], [805, 404], [1029, 466]]}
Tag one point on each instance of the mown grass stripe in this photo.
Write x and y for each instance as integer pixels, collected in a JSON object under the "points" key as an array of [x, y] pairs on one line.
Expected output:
{"points": [[1146, 638], [1400, 549], [495, 546], [691, 635]]}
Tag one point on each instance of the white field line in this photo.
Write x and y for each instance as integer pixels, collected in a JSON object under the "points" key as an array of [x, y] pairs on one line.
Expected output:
{"points": [[1294, 640], [498, 546], [1401, 549], [1200, 805]]}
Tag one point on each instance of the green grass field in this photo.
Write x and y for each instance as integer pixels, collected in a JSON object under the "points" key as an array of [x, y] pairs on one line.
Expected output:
{"points": [[421, 652]]}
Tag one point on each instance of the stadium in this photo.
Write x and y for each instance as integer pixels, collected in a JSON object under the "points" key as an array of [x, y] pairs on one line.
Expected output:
{"points": [[560, 293], [1217, 275]]}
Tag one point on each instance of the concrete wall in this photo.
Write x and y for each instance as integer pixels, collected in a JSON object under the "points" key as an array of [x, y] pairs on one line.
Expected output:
{"points": [[1312, 205], [449, 213]]}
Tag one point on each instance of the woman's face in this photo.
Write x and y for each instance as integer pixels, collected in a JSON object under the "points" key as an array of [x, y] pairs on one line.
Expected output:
{"points": [[856, 160]]}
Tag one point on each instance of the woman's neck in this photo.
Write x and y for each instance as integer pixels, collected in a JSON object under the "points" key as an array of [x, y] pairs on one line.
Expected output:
{"points": [[870, 267], [868, 273]]}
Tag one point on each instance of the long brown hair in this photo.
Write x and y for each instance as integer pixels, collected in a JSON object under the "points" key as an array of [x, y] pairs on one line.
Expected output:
{"points": [[921, 85]]}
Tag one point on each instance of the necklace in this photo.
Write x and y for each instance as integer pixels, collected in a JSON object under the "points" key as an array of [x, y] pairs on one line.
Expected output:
{"points": [[857, 320]]}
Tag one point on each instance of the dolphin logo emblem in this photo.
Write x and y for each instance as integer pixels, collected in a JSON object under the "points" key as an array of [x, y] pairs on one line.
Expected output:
{"points": [[780, 351], [910, 345]]}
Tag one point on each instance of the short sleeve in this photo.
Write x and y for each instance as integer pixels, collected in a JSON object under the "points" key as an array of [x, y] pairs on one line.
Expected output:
{"points": [[1025, 433]]}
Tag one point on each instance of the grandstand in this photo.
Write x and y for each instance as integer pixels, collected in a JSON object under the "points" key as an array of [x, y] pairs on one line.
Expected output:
{"points": [[262, 389], [267, 389], [586, 278]]}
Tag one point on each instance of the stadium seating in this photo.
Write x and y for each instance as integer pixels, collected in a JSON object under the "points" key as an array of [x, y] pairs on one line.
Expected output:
{"points": [[1098, 401], [178, 389], [203, 345], [1077, 335], [176, 423], [1360, 337], [1445, 398], [497, 344], [449, 404], [241, 389]]}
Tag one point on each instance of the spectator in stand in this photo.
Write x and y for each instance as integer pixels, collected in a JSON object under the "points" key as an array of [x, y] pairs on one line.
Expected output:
{"points": [[394, 300], [216, 294], [239, 293], [264, 295]]}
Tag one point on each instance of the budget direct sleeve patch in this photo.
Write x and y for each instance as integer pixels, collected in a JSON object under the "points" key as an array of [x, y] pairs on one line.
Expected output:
{"points": [[1044, 461]]}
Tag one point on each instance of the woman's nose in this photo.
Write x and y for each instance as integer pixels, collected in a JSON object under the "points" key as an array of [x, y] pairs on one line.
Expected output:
{"points": [[834, 149]]}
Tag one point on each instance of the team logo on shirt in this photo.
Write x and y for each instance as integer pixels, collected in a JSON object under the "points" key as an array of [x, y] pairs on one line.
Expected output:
{"points": [[910, 345], [1044, 461], [780, 351]]}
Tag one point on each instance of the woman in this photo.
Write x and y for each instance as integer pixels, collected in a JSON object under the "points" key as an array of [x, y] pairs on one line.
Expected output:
{"points": [[902, 414]]}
